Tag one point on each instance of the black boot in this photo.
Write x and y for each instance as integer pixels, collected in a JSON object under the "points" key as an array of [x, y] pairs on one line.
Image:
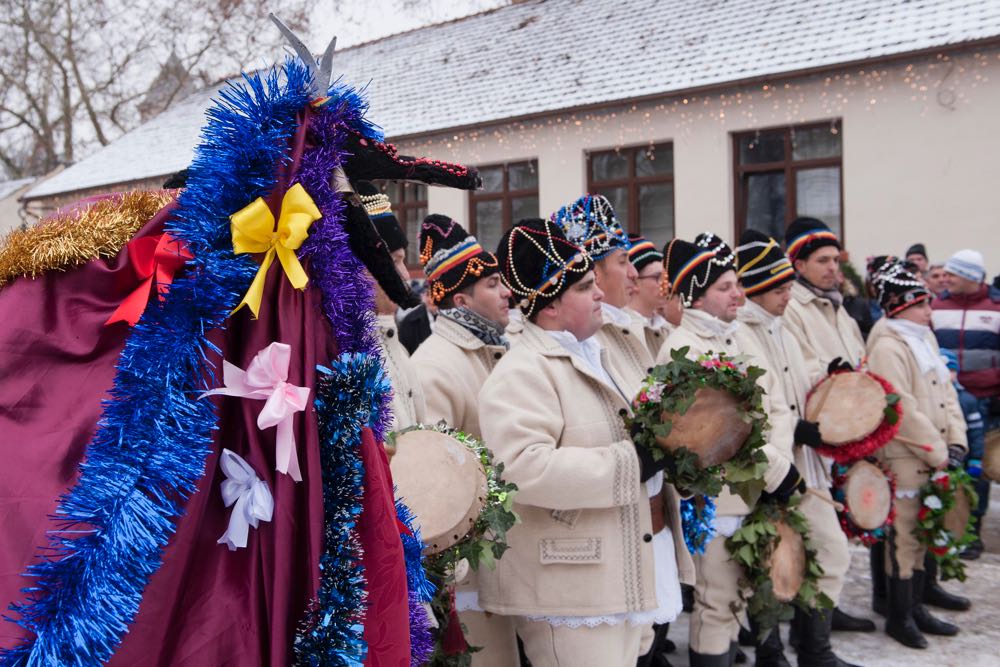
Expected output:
{"points": [[936, 596], [923, 618], [770, 652], [696, 659], [876, 557], [814, 639], [655, 657], [844, 622], [899, 623], [738, 656]]}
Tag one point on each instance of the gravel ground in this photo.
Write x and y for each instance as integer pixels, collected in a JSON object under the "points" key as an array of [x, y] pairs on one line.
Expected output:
{"points": [[977, 645]]}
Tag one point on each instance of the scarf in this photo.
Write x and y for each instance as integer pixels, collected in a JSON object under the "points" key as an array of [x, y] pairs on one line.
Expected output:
{"points": [[710, 324], [832, 295], [917, 338], [485, 330]]}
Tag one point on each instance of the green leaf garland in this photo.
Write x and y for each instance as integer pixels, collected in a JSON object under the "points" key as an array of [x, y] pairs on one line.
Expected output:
{"points": [[938, 497]]}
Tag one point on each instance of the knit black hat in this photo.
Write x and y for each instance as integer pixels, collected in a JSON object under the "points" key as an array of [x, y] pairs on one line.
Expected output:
{"points": [[762, 264], [916, 249], [898, 288], [538, 264], [378, 208], [642, 252], [692, 268], [807, 235], [452, 258]]}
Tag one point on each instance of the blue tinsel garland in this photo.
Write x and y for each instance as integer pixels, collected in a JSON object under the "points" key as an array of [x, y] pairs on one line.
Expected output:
{"points": [[419, 588], [348, 398], [698, 523], [149, 451]]}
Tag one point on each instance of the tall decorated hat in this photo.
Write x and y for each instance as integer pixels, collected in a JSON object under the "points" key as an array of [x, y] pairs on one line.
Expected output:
{"points": [[452, 258], [590, 222], [761, 263], [691, 268], [642, 252], [807, 235], [379, 210], [899, 288], [538, 263]]}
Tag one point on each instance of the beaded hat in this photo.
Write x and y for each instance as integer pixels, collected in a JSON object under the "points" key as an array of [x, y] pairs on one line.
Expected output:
{"points": [[898, 288], [379, 210], [807, 235], [590, 222], [538, 263], [691, 268], [642, 252], [762, 265], [452, 258]]}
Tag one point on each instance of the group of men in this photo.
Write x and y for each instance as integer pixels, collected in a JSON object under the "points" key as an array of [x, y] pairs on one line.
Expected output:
{"points": [[539, 348]]}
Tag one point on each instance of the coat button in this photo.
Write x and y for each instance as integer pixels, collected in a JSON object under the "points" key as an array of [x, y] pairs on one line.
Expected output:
{"points": [[390, 333], [942, 430], [497, 355], [933, 381], [649, 371], [786, 369], [625, 331], [792, 407], [942, 405], [623, 412], [729, 341], [656, 334], [647, 538], [409, 394]]}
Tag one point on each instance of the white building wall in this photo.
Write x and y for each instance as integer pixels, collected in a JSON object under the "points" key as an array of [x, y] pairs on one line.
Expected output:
{"points": [[920, 141]]}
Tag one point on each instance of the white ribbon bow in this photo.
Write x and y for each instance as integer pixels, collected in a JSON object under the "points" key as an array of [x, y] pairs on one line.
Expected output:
{"points": [[265, 379], [250, 493]]}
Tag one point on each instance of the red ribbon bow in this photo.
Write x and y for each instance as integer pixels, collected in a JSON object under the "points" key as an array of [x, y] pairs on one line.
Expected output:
{"points": [[151, 257]]}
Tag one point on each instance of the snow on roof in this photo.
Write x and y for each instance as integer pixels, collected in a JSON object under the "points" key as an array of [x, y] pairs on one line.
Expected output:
{"points": [[547, 55], [7, 188]]}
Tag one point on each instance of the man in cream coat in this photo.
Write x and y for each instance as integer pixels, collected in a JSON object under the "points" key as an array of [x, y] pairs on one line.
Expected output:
{"points": [[702, 274], [407, 397], [648, 300], [766, 276], [453, 363], [580, 576], [590, 222], [828, 335]]}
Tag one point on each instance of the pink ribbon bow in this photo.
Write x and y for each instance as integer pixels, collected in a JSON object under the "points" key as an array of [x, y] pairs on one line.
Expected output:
{"points": [[265, 379], [249, 492]]}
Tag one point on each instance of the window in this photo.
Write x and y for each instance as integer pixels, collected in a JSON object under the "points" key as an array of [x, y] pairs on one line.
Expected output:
{"points": [[409, 203], [639, 183], [785, 173], [509, 194]]}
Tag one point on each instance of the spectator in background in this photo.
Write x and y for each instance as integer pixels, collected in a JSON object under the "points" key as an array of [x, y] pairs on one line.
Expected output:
{"points": [[967, 322], [916, 254], [936, 279], [417, 324]]}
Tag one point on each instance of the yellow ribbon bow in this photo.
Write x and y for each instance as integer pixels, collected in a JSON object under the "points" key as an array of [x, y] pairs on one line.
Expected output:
{"points": [[254, 231]]}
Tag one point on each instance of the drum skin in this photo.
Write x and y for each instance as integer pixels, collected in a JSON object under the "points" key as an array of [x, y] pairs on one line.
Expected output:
{"points": [[444, 484], [713, 427], [868, 495], [788, 563], [847, 406]]}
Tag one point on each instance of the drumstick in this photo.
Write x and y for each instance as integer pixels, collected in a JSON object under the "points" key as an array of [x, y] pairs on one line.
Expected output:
{"points": [[914, 443], [830, 501]]}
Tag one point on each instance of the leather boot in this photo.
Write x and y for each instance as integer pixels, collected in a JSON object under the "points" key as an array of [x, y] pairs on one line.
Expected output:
{"points": [[655, 657], [923, 618], [814, 639], [876, 557], [696, 659], [769, 651], [844, 622], [935, 595], [899, 623]]}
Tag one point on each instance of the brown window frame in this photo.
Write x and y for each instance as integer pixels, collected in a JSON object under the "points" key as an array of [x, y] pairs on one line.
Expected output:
{"points": [[790, 166], [400, 209], [505, 195], [632, 182]]}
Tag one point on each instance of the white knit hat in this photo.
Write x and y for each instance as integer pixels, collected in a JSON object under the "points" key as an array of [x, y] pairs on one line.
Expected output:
{"points": [[967, 264]]}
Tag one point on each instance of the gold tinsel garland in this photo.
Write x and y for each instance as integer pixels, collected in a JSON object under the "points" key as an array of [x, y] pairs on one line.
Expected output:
{"points": [[62, 242]]}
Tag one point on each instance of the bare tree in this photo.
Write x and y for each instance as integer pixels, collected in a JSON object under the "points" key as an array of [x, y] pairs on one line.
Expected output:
{"points": [[76, 73]]}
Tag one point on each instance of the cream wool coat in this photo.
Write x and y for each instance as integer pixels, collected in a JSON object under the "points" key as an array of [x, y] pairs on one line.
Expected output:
{"points": [[624, 338], [786, 359], [824, 332], [931, 412], [408, 407], [583, 547], [696, 333], [452, 365], [655, 335]]}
